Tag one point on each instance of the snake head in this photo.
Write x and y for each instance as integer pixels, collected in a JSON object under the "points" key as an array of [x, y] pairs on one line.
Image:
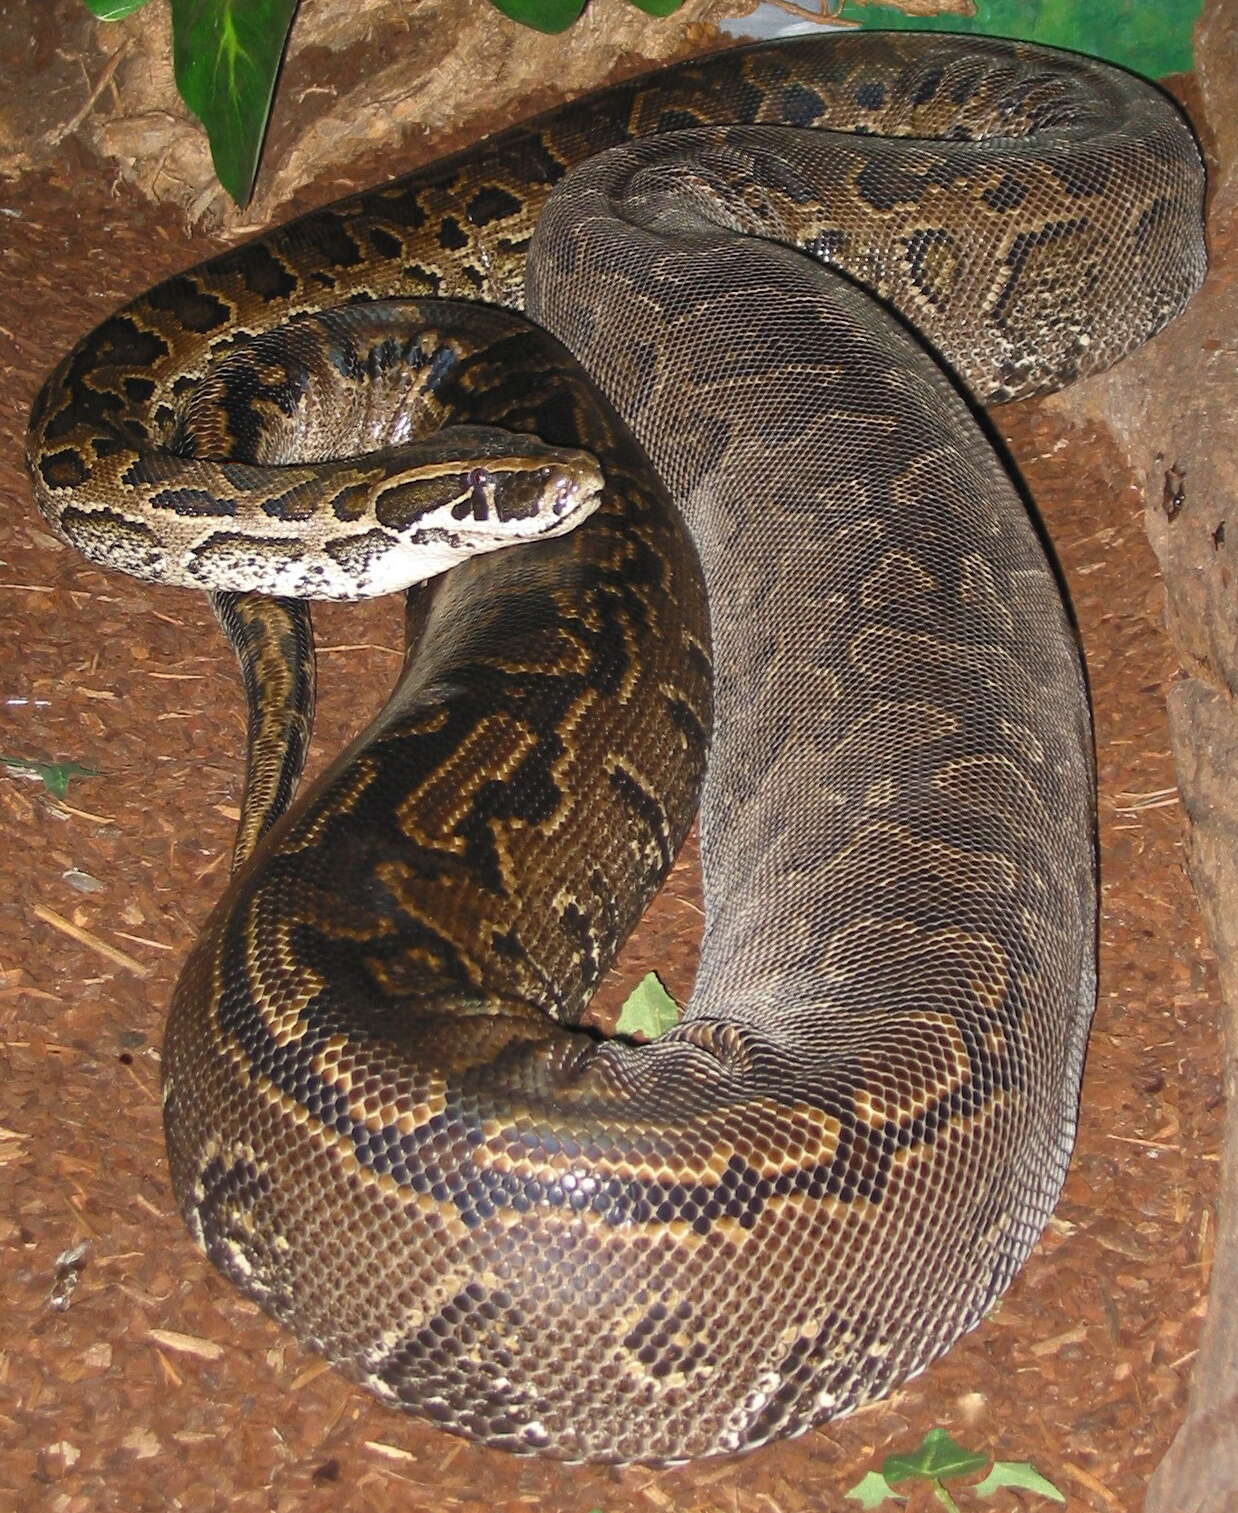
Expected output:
{"points": [[416, 510], [551, 490], [483, 487]]}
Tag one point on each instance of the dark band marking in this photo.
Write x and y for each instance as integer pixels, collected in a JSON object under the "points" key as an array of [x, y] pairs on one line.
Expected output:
{"points": [[493, 203], [64, 470], [259, 270], [1006, 195], [358, 555], [451, 235], [386, 245], [1022, 250], [193, 305], [192, 503]]}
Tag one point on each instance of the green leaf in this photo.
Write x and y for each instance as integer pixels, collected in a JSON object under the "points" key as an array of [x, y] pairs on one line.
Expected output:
{"points": [[1153, 39], [113, 10], [227, 54], [55, 776], [873, 1491], [1016, 1473], [938, 1457], [542, 15], [649, 1009], [658, 7]]}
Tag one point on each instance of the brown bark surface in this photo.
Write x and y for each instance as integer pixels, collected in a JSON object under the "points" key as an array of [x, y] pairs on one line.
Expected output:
{"points": [[1176, 422]]}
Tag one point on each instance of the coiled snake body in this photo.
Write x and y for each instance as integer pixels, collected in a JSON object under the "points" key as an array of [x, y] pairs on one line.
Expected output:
{"points": [[835, 1163]]}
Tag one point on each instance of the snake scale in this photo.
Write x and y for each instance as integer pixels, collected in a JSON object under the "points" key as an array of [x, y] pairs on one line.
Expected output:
{"points": [[382, 1121]]}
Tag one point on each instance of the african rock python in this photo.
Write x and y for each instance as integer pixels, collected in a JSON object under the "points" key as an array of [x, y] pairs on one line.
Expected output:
{"points": [[807, 1190]]}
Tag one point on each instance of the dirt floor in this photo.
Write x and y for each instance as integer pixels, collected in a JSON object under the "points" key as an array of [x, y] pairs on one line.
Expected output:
{"points": [[132, 1377]]}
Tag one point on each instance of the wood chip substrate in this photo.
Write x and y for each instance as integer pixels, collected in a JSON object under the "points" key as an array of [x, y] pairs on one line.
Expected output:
{"points": [[132, 1377]]}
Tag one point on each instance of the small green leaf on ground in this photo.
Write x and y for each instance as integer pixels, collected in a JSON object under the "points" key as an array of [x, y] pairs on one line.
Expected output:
{"points": [[873, 1491], [542, 15], [938, 1457], [1017, 1473], [649, 1010], [658, 7], [55, 776], [114, 10], [227, 54]]}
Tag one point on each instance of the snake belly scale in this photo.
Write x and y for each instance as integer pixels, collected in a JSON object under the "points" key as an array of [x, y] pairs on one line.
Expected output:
{"points": [[381, 1122]]}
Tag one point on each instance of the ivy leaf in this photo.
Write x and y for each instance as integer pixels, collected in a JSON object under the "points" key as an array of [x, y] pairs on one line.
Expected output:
{"points": [[227, 54], [649, 1009], [1017, 1473], [113, 10], [658, 7], [542, 15], [937, 1458], [872, 1491], [55, 776]]}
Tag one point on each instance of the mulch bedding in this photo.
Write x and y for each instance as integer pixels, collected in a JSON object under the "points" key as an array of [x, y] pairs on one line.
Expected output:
{"points": [[132, 1377]]}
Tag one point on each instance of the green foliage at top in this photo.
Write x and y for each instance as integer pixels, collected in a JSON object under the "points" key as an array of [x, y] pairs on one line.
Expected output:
{"points": [[558, 15], [113, 10], [1151, 39], [227, 54], [542, 15]]}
